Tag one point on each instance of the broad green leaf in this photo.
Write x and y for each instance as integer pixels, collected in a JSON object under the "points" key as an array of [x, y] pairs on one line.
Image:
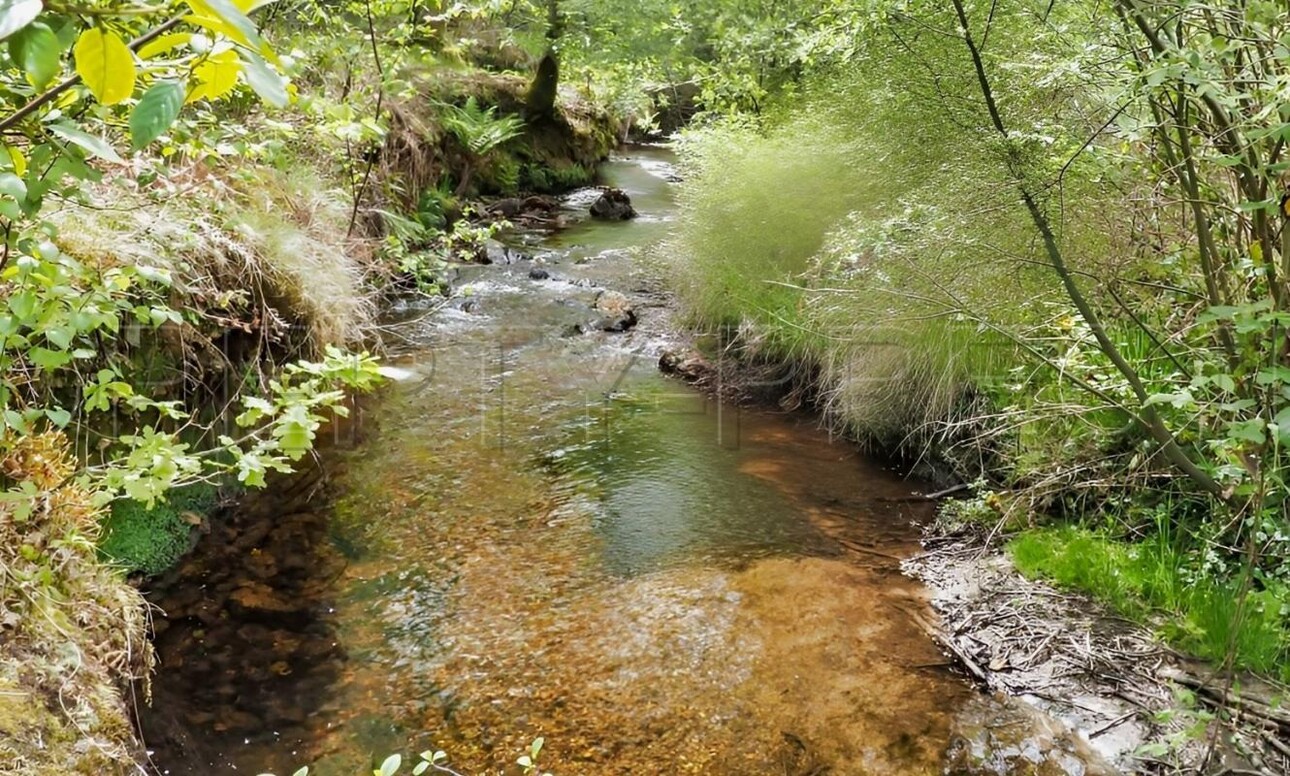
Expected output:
{"points": [[35, 49], [1247, 431], [58, 416], [16, 14], [156, 111], [60, 336], [92, 144], [12, 186], [105, 64], [23, 304], [14, 421], [49, 359], [266, 83], [216, 76]]}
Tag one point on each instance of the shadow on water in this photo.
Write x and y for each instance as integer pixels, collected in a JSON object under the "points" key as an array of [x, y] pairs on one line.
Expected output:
{"points": [[539, 535]]}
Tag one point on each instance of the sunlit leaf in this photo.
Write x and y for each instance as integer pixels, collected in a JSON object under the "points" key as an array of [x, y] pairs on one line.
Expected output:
{"points": [[164, 44], [216, 76], [224, 17], [105, 64], [16, 14]]}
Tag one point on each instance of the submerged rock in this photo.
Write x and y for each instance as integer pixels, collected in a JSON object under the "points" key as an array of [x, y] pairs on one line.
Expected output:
{"points": [[537, 273], [685, 363], [613, 205], [618, 314]]}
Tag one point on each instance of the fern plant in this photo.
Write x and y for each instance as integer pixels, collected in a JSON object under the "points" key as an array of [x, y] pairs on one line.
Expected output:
{"points": [[481, 131]]}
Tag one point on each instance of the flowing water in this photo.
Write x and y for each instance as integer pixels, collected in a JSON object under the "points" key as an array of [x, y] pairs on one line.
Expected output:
{"points": [[538, 535]]}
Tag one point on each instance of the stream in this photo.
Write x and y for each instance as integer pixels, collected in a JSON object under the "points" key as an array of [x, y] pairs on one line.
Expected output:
{"points": [[536, 534]]}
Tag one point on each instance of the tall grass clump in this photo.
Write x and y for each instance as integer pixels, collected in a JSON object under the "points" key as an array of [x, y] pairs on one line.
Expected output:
{"points": [[854, 232]]}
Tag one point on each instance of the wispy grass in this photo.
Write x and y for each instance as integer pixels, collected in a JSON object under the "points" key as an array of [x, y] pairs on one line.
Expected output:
{"points": [[264, 237]]}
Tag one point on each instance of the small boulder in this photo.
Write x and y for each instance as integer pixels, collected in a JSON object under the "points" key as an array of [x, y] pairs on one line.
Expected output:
{"points": [[613, 205], [618, 314], [685, 363], [506, 208], [495, 253], [537, 273]]}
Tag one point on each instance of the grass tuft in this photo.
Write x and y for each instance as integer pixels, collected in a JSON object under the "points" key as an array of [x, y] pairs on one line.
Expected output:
{"points": [[1155, 580]]}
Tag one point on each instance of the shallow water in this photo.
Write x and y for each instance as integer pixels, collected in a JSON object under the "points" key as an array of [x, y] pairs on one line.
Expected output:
{"points": [[535, 534]]}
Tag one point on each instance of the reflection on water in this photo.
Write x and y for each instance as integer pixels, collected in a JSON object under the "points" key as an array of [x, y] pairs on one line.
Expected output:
{"points": [[541, 536]]}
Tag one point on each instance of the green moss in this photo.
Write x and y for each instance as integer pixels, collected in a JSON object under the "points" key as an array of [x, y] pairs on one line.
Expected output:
{"points": [[152, 539], [1204, 614]]}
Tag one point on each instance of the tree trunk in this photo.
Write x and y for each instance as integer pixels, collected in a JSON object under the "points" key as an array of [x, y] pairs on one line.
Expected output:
{"points": [[540, 102]]}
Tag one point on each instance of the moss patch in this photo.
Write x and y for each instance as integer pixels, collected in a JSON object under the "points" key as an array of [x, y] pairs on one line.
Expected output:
{"points": [[72, 631], [150, 540]]}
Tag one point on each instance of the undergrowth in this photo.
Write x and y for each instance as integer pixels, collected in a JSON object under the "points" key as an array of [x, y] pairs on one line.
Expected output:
{"points": [[1159, 580]]}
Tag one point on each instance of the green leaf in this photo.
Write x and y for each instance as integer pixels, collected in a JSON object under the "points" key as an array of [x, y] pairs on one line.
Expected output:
{"points": [[106, 65], [268, 84], [60, 336], [390, 766], [16, 14], [49, 359], [14, 421], [23, 305], [58, 416], [35, 49], [1270, 205], [1224, 382], [92, 144], [156, 111], [1273, 374], [12, 186], [1247, 431]]}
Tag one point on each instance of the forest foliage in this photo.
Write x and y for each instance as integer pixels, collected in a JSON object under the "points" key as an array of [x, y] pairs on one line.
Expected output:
{"points": [[1042, 242]]}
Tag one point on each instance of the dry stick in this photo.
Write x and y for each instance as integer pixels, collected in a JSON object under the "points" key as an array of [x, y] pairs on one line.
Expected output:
{"points": [[1168, 444], [380, 97]]}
